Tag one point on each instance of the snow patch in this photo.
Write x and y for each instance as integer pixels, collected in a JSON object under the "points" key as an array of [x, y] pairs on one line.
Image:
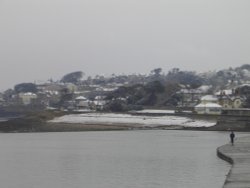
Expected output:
{"points": [[111, 118], [156, 111]]}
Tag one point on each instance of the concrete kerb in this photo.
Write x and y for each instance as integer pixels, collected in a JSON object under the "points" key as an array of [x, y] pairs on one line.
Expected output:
{"points": [[223, 156], [227, 158]]}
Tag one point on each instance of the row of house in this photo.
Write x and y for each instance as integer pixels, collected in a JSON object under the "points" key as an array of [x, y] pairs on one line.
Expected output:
{"points": [[91, 97], [202, 103], [51, 95], [81, 103], [78, 103]]}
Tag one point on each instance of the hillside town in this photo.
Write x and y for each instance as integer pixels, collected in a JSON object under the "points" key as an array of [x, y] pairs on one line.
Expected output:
{"points": [[182, 91]]}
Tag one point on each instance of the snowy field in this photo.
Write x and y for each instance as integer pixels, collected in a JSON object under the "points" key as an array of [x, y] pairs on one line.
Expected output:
{"points": [[156, 111], [111, 118]]}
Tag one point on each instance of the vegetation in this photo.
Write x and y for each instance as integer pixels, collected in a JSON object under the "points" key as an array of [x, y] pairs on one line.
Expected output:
{"points": [[74, 77], [125, 92], [25, 87]]}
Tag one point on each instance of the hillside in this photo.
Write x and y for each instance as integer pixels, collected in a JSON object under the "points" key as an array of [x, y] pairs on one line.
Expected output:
{"points": [[126, 92]]}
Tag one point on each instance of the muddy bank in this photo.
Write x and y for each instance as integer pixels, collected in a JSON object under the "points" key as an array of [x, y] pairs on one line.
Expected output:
{"points": [[39, 122], [30, 122]]}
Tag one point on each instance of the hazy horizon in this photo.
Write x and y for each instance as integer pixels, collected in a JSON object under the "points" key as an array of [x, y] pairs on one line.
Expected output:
{"points": [[46, 39]]}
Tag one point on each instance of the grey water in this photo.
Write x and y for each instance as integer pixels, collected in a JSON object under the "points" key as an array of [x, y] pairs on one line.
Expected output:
{"points": [[112, 159]]}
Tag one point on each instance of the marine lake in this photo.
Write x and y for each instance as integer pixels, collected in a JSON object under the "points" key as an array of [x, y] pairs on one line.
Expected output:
{"points": [[112, 159]]}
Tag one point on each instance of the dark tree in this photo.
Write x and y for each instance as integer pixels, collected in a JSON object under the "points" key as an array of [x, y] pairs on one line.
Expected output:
{"points": [[116, 106], [73, 77], [243, 90], [154, 87], [157, 71], [25, 87], [246, 103], [185, 78], [245, 66], [66, 96]]}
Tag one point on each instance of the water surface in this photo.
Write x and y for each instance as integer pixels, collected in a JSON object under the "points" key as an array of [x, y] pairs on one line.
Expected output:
{"points": [[112, 159]]}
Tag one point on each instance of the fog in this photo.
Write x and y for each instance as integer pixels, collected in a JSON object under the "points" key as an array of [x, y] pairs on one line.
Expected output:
{"points": [[46, 39]]}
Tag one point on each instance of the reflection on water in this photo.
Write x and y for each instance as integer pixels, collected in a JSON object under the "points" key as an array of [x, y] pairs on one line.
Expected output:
{"points": [[124, 159]]}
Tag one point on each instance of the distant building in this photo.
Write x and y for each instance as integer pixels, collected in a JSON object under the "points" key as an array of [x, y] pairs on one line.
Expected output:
{"points": [[27, 98], [208, 108], [2, 101], [82, 103], [99, 103], [230, 102], [229, 99], [208, 105], [71, 87], [190, 97], [50, 87]]}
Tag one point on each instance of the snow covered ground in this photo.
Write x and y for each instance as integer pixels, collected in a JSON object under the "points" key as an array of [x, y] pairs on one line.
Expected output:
{"points": [[111, 118], [156, 111]]}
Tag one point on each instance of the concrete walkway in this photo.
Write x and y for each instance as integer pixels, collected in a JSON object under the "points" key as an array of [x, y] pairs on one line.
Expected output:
{"points": [[239, 156]]}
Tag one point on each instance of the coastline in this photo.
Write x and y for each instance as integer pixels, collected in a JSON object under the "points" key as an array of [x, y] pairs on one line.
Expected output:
{"points": [[23, 125], [45, 121], [42, 122]]}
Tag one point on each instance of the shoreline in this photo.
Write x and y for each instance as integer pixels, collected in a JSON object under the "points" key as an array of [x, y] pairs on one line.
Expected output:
{"points": [[41, 122]]}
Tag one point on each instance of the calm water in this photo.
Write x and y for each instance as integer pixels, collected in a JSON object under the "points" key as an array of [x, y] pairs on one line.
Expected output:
{"points": [[126, 159]]}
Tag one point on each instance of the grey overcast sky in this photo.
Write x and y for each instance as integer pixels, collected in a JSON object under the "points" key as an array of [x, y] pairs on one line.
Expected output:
{"points": [[42, 39]]}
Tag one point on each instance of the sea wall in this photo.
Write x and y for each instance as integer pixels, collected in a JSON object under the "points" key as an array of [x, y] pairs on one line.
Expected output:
{"points": [[233, 122], [239, 156]]}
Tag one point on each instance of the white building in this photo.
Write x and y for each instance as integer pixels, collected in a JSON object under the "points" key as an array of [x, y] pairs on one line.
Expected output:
{"points": [[209, 105], [82, 103], [27, 98], [208, 108]]}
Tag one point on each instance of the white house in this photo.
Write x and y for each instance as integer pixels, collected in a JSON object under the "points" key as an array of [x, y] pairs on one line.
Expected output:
{"points": [[99, 102], [209, 105], [81, 103], [27, 98], [208, 108]]}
